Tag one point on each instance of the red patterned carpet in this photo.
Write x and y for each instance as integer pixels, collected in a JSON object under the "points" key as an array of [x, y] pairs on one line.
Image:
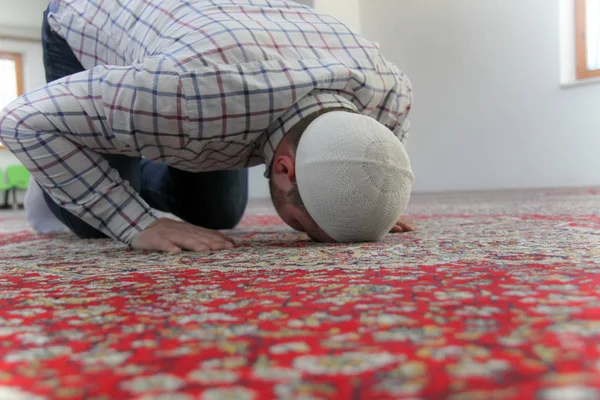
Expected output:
{"points": [[496, 296]]}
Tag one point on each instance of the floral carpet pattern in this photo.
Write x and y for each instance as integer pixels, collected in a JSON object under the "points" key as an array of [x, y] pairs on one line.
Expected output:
{"points": [[496, 296]]}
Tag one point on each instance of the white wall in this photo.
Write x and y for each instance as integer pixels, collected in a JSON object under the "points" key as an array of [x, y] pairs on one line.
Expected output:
{"points": [[568, 68], [347, 11], [310, 3], [489, 112], [22, 13]]}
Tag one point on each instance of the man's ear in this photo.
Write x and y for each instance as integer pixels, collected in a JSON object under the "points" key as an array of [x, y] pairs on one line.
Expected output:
{"points": [[284, 172]]}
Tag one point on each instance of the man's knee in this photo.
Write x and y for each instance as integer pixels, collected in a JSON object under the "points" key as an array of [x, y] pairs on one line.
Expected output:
{"points": [[228, 216], [213, 200]]}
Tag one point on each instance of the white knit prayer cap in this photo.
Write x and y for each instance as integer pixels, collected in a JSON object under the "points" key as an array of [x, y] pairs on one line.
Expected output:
{"points": [[354, 176]]}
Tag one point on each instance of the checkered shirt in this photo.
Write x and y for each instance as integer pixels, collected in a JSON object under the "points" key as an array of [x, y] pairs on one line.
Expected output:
{"points": [[199, 85]]}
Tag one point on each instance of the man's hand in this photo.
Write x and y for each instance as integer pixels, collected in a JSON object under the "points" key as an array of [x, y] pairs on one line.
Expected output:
{"points": [[174, 236], [403, 226]]}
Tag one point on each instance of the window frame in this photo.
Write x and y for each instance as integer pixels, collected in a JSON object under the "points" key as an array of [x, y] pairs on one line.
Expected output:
{"points": [[581, 43], [18, 59]]}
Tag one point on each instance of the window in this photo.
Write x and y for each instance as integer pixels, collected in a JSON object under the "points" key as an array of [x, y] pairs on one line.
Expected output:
{"points": [[587, 16], [11, 79]]}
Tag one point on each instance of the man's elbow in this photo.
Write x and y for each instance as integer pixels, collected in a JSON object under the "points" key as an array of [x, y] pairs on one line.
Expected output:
{"points": [[8, 122], [19, 125]]}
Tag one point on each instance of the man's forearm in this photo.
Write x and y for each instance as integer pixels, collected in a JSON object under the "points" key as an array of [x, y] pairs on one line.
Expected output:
{"points": [[76, 178]]}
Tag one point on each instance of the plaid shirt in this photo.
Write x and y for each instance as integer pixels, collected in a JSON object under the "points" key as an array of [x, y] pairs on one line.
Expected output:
{"points": [[199, 85]]}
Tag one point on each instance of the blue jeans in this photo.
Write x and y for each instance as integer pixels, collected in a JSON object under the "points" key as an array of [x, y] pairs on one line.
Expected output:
{"points": [[214, 200]]}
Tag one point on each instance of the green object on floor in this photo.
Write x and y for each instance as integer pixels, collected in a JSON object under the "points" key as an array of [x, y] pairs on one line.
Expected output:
{"points": [[18, 177], [4, 185]]}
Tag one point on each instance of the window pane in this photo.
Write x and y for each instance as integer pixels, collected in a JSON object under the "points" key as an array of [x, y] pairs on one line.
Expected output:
{"points": [[8, 81], [592, 25]]}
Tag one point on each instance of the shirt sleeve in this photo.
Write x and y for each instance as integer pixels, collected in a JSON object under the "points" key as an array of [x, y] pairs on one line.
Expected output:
{"points": [[400, 101], [403, 131], [60, 131]]}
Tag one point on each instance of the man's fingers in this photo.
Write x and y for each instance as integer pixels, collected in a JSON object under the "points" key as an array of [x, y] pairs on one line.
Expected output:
{"points": [[407, 226], [156, 244], [213, 239], [174, 236], [189, 242], [397, 229], [166, 246], [214, 236], [402, 226], [215, 243], [219, 235], [228, 238], [202, 242]]}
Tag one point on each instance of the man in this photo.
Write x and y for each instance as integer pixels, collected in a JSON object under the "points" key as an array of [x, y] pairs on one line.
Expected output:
{"points": [[164, 104]]}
